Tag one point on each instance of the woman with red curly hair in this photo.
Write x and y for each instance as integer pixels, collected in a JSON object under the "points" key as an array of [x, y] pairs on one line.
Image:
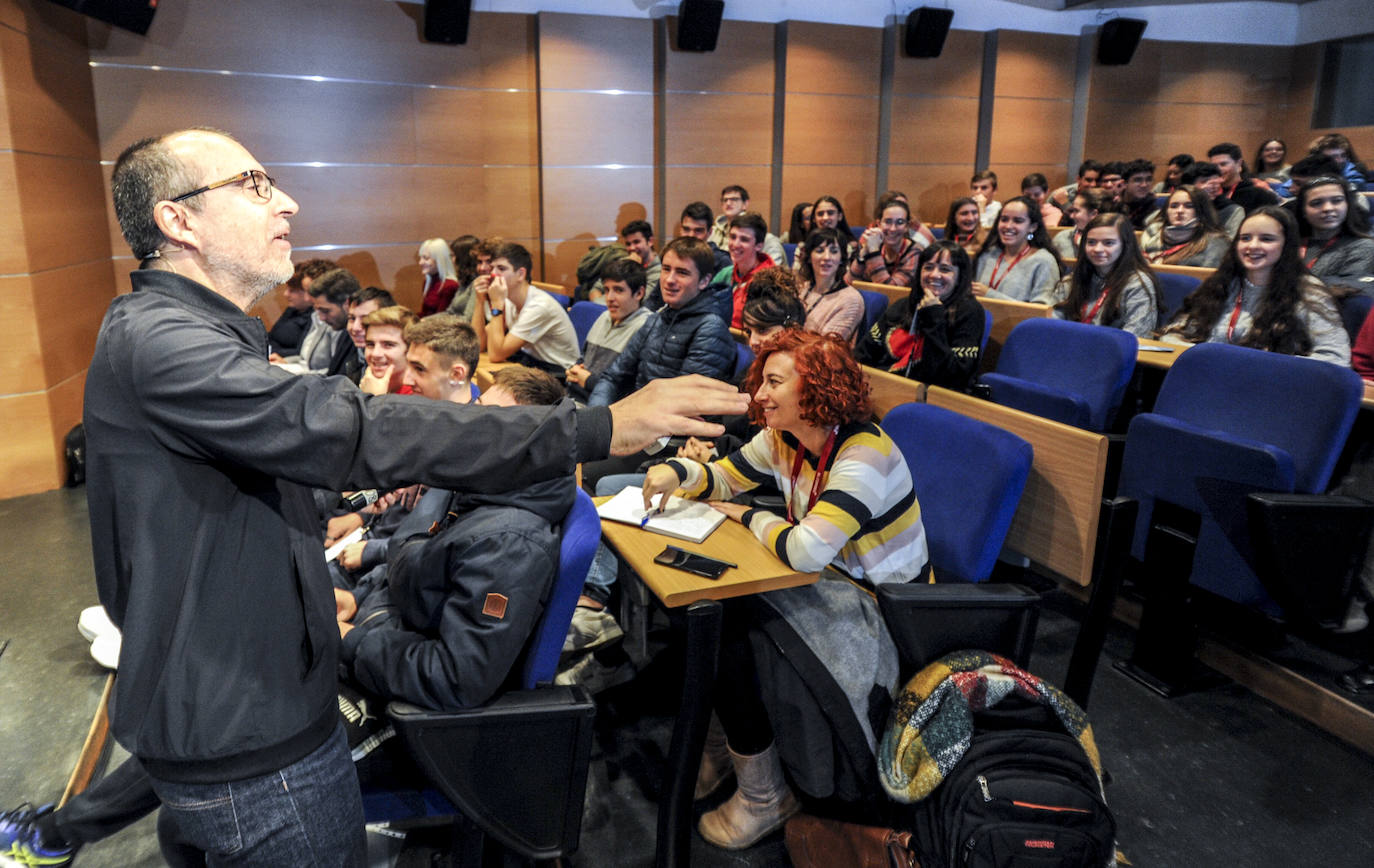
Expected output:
{"points": [[851, 514]]}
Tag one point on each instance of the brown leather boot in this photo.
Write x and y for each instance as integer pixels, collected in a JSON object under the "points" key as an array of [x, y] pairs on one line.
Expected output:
{"points": [[716, 767], [760, 805]]}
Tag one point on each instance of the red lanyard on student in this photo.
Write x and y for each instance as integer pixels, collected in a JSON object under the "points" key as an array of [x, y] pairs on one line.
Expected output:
{"points": [[818, 480], [1313, 261], [995, 281], [1089, 316], [1235, 314], [1170, 252]]}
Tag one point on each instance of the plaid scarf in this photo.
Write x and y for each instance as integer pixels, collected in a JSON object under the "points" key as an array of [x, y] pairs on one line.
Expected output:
{"points": [[932, 719]]}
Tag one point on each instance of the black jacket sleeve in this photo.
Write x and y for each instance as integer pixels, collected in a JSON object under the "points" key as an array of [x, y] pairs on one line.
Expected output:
{"points": [[950, 355]]}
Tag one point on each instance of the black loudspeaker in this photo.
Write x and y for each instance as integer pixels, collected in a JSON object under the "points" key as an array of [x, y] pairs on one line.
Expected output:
{"points": [[447, 21], [134, 15], [1117, 41], [926, 29], [698, 24]]}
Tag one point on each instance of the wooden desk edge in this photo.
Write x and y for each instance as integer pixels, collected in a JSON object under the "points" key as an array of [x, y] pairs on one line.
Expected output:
{"points": [[618, 534]]}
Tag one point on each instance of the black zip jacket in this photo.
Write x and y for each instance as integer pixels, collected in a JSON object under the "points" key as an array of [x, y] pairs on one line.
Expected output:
{"points": [[204, 534]]}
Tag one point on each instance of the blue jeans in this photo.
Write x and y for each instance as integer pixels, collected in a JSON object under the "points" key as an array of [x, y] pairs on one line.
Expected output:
{"points": [[309, 813]]}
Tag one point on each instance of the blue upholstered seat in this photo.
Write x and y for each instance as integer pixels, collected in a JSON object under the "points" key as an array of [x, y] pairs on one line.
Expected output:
{"points": [[968, 476], [1066, 371]]}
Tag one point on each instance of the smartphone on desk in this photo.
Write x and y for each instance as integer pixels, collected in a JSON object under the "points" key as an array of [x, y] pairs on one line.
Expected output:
{"points": [[701, 565]]}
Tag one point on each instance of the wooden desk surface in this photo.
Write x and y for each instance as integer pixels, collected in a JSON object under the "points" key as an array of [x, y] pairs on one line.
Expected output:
{"points": [[759, 569], [1151, 359], [1056, 522]]}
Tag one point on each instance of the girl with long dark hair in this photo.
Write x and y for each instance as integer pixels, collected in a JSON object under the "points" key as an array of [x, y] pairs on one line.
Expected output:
{"points": [[1336, 246], [1262, 296], [1111, 284], [934, 334], [1016, 261]]}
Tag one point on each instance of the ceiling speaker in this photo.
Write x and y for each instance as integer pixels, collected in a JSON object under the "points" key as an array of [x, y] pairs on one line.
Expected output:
{"points": [[926, 29], [698, 24], [1118, 39], [446, 21]]}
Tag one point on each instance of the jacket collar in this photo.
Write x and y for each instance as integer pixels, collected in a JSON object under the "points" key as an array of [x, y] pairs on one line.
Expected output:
{"points": [[186, 291]]}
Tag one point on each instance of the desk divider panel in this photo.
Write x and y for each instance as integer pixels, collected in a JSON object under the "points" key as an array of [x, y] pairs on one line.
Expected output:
{"points": [[1056, 523]]}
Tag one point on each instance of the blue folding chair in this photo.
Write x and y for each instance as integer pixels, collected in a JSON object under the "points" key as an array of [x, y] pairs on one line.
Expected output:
{"points": [[1230, 424], [515, 768], [1173, 289], [1066, 371], [583, 315], [874, 305], [1229, 417], [744, 357], [987, 332], [938, 232], [968, 476], [790, 252]]}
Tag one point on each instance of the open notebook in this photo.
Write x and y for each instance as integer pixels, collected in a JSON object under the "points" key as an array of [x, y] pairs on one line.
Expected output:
{"points": [[690, 520]]}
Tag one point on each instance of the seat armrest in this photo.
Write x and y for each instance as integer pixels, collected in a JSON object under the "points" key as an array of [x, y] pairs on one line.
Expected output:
{"points": [[929, 621], [1308, 551], [517, 766]]}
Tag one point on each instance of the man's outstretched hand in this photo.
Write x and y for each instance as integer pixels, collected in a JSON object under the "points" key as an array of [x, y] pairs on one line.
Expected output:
{"points": [[666, 407]]}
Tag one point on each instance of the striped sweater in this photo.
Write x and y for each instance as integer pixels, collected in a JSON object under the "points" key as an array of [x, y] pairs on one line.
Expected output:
{"points": [[866, 521]]}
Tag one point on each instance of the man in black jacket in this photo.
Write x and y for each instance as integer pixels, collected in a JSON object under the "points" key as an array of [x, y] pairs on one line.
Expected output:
{"points": [[201, 456]]}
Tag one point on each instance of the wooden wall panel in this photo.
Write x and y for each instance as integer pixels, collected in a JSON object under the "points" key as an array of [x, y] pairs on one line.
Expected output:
{"points": [[934, 136], [46, 110], [55, 276], [351, 39], [718, 120], [830, 118], [30, 461], [1032, 113], [589, 203], [475, 127], [416, 141], [686, 184], [1178, 97], [69, 303], [742, 62], [718, 129], [63, 201], [21, 365], [596, 111], [14, 258]]}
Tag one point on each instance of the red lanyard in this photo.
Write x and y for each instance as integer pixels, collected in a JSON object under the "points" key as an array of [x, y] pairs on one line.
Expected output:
{"points": [[821, 473], [1235, 314], [995, 281], [1090, 315], [1313, 261], [1170, 252]]}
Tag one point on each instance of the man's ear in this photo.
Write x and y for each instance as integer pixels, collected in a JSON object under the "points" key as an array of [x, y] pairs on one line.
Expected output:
{"points": [[171, 220], [458, 372], [524, 275]]}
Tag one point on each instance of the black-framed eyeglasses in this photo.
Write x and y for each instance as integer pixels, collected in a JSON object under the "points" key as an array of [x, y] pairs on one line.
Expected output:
{"points": [[263, 185]]}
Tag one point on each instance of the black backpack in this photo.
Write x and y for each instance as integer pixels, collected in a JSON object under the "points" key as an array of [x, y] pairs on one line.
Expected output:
{"points": [[74, 448], [1023, 795]]}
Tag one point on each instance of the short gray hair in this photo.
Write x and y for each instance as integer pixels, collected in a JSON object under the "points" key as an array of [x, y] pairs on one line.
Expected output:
{"points": [[146, 173]]}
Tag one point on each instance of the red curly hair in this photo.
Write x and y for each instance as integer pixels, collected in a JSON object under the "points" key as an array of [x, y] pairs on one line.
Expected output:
{"points": [[833, 390]]}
